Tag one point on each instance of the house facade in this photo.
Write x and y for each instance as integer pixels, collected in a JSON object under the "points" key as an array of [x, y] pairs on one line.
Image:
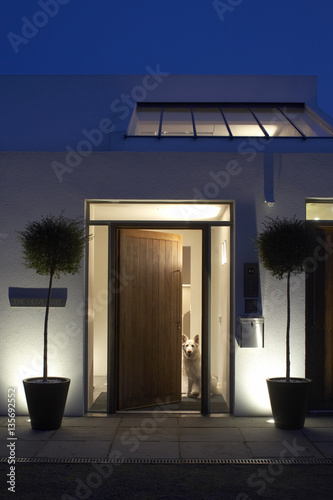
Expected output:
{"points": [[174, 176]]}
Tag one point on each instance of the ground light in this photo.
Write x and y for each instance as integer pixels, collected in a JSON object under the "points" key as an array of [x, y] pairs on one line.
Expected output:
{"points": [[270, 421]]}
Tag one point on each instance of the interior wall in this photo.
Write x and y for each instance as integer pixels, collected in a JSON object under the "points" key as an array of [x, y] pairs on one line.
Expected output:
{"points": [[98, 298], [220, 310]]}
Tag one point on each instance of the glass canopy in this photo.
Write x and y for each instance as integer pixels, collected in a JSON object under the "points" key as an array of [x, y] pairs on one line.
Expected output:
{"points": [[227, 120]]}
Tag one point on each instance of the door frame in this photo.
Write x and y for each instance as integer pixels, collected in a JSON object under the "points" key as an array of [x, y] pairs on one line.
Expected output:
{"points": [[113, 320]]}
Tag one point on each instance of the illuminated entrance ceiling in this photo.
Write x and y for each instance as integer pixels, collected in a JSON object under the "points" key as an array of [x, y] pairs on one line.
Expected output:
{"points": [[159, 211]]}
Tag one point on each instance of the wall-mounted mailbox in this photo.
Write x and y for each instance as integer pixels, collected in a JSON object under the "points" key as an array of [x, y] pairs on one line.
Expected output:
{"points": [[251, 332]]}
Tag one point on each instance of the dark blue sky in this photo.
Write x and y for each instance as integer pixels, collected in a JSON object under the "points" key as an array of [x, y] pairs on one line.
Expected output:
{"points": [[182, 36]]}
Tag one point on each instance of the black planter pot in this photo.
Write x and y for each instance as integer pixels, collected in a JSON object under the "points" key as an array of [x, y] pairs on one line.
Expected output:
{"points": [[46, 401], [289, 401]]}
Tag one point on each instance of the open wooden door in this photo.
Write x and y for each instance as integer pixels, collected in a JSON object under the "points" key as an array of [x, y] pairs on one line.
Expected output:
{"points": [[149, 318], [319, 326]]}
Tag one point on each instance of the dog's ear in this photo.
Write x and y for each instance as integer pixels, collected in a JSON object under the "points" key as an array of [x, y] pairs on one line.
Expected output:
{"points": [[196, 339], [184, 338]]}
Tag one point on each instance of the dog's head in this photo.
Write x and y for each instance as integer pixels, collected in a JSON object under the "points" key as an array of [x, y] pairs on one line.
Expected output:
{"points": [[190, 346]]}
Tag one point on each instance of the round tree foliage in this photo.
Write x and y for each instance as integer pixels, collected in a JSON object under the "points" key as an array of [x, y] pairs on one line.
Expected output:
{"points": [[285, 245], [53, 245]]}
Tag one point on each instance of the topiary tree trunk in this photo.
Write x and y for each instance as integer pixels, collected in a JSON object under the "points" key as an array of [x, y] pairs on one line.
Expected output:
{"points": [[53, 246], [288, 331], [46, 321]]}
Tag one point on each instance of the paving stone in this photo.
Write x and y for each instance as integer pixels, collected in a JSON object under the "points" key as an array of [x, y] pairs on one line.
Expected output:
{"points": [[210, 434], [158, 420], [74, 449], [272, 434], [325, 448], [84, 434], [143, 434], [23, 448], [319, 434], [170, 436], [146, 450], [203, 422], [91, 422], [209, 450], [287, 449]]}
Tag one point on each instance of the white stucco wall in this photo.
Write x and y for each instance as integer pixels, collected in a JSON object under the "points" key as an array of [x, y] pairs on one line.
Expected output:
{"points": [[29, 188]]}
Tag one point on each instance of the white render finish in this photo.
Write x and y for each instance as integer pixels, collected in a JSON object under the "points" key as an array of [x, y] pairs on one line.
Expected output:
{"points": [[31, 188]]}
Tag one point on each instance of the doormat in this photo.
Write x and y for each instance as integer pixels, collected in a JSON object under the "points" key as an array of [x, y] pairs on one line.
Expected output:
{"points": [[217, 405]]}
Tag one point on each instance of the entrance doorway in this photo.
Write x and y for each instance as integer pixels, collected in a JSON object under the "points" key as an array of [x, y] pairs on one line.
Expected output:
{"points": [[137, 310]]}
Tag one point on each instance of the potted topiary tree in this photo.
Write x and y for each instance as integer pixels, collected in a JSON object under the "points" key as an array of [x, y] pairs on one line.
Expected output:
{"points": [[283, 248], [51, 246]]}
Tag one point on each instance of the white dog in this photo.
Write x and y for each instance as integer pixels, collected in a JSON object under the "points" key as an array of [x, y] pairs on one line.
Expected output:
{"points": [[192, 367]]}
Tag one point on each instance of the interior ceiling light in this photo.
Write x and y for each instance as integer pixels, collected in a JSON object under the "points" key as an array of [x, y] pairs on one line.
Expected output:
{"points": [[189, 211]]}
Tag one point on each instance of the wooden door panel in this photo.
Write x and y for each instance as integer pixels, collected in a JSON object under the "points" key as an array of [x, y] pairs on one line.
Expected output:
{"points": [[149, 339]]}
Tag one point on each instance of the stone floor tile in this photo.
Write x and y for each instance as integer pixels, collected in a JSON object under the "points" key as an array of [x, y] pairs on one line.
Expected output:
{"points": [[318, 421], [145, 450], [91, 422], [158, 420], [325, 448], [206, 450], [84, 434], [203, 422], [210, 434], [319, 433], [285, 450], [261, 422], [272, 434], [74, 449], [23, 448], [26, 433], [143, 434]]}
